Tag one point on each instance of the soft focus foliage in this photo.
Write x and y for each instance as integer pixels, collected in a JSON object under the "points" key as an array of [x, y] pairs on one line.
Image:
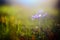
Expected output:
{"points": [[16, 22]]}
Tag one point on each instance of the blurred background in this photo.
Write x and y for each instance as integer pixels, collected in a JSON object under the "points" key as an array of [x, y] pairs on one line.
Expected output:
{"points": [[29, 19]]}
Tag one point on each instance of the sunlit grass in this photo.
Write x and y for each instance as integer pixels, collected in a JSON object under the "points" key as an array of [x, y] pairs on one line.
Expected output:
{"points": [[20, 17]]}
